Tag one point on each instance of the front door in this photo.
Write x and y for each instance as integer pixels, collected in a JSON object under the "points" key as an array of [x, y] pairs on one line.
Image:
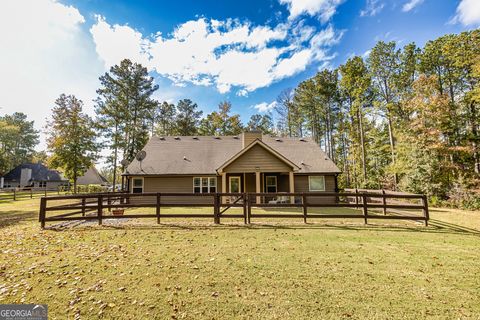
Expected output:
{"points": [[235, 185]]}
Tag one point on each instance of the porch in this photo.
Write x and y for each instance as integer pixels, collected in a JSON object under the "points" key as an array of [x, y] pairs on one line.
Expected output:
{"points": [[259, 182]]}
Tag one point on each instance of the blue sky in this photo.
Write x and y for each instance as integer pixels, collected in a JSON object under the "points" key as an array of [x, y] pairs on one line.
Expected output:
{"points": [[246, 52]]}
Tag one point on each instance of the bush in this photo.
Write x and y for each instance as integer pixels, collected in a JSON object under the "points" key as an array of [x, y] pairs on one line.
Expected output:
{"points": [[463, 198]]}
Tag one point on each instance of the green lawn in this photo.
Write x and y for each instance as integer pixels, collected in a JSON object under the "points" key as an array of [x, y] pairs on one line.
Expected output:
{"points": [[327, 269]]}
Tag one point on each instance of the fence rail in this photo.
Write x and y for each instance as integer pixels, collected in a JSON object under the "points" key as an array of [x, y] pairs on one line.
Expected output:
{"points": [[102, 206], [30, 193]]}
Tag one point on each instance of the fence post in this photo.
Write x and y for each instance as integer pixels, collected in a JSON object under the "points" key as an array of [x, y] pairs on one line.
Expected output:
{"points": [[45, 189], [14, 194], [365, 209], [158, 208], [249, 208], [31, 193], [43, 207], [109, 202], [245, 197], [356, 198], [216, 218], [384, 202], [426, 214], [83, 207], [304, 204], [100, 209]]}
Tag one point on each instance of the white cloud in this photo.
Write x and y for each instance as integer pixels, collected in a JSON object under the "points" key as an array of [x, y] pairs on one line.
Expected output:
{"points": [[324, 9], [265, 107], [372, 8], [468, 13], [113, 43], [227, 54], [411, 4], [44, 53]]}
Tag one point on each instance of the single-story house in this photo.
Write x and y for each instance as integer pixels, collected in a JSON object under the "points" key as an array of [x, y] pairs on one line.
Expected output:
{"points": [[250, 162], [92, 177], [34, 175]]}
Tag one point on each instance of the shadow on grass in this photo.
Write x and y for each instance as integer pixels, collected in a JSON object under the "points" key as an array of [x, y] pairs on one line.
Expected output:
{"points": [[13, 217], [435, 226]]}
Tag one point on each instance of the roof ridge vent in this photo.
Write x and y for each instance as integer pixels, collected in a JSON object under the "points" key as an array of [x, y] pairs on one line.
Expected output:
{"points": [[177, 138]]}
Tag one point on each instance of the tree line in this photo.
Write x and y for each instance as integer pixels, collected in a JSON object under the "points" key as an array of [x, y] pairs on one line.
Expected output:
{"points": [[126, 115], [401, 118]]}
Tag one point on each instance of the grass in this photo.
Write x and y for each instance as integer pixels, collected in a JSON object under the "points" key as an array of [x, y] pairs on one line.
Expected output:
{"points": [[330, 269]]}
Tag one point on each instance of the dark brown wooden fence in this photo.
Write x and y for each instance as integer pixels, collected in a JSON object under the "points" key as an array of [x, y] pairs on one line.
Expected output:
{"points": [[31, 193], [103, 206]]}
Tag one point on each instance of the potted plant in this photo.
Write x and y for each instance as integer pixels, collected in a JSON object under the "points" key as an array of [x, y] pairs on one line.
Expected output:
{"points": [[118, 211]]}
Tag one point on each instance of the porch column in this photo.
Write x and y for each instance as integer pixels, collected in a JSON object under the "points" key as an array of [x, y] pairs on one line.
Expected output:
{"points": [[257, 185], [224, 186], [292, 186]]}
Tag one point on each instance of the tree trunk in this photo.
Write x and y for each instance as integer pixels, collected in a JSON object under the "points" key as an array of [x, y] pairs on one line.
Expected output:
{"points": [[392, 148], [362, 145], [473, 124]]}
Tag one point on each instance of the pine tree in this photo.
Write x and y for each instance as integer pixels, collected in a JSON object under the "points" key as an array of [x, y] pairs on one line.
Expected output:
{"points": [[125, 110], [187, 118]]}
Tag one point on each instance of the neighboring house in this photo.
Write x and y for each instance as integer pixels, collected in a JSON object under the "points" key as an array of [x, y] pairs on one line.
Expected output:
{"points": [[33, 175], [92, 177], [250, 162]]}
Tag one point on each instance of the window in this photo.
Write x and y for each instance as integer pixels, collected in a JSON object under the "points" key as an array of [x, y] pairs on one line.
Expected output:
{"points": [[213, 185], [42, 184], [234, 184], [204, 184], [137, 185], [271, 183], [316, 183]]}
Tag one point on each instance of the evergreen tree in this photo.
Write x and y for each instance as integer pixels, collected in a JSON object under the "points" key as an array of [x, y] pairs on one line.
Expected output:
{"points": [[70, 138], [187, 118], [125, 110], [263, 123], [165, 119]]}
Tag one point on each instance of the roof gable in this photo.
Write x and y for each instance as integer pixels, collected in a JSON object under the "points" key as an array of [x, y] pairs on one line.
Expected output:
{"points": [[258, 155], [92, 176]]}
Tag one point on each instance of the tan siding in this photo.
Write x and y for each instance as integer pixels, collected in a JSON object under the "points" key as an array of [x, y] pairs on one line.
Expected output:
{"points": [[257, 156], [180, 184], [301, 185]]}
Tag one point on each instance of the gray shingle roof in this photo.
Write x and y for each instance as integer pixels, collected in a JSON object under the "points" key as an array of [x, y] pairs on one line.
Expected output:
{"points": [[92, 176], [205, 154], [39, 173]]}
